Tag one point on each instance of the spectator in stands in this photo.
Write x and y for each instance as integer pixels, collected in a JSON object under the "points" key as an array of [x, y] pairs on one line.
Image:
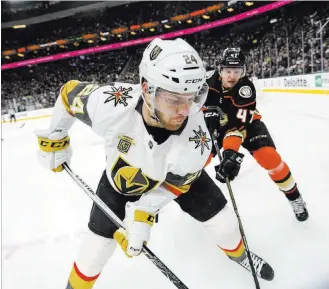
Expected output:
{"points": [[265, 48]]}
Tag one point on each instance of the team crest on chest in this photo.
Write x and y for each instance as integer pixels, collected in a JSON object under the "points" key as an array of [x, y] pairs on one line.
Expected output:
{"points": [[200, 139], [119, 95], [130, 180]]}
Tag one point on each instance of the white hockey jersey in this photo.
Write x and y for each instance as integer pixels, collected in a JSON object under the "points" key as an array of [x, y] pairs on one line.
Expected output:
{"points": [[136, 164]]}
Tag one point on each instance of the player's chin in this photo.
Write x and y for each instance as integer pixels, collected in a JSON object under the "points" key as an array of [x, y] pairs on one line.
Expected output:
{"points": [[231, 84], [174, 125]]}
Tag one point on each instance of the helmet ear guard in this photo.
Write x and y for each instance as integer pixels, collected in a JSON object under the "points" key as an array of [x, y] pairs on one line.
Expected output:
{"points": [[149, 88]]}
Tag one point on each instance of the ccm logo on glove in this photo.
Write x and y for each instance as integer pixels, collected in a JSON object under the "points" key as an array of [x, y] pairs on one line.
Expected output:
{"points": [[132, 239], [239, 160], [48, 145]]}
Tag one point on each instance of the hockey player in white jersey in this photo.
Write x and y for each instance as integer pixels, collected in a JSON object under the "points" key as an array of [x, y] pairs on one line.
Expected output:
{"points": [[156, 144]]}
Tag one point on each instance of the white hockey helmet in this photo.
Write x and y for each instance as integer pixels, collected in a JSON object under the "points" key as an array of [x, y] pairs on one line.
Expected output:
{"points": [[174, 66]]}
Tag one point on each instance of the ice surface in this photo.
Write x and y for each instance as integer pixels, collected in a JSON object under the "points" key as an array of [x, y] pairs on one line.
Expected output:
{"points": [[45, 215]]}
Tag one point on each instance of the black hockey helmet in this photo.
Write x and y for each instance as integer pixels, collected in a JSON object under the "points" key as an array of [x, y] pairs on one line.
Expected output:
{"points": [[232, 57]]}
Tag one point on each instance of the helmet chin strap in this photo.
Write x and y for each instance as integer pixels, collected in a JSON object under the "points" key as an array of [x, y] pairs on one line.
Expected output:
{"points": [[156, 118], [153, 114]]}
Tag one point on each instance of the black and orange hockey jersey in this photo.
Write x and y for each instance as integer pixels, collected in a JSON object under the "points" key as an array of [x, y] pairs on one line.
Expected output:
{"points": [[237, 109]]}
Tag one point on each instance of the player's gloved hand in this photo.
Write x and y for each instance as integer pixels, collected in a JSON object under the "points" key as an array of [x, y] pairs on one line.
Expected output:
{"points": [[139, 223], [212, 118], [230, 166], [54, 149]]}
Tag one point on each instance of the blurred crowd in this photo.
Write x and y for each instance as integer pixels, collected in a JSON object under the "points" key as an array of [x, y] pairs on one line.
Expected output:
{"points": [[39, 85], [11, 11], [288, 46], [94, 21]]}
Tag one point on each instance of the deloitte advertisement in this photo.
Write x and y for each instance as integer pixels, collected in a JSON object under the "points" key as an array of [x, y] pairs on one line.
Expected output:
{"points": [[310, 84]]}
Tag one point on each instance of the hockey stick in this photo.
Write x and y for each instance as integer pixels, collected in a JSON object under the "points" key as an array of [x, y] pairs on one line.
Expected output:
{"points": [[243, 235], [120, 224]]}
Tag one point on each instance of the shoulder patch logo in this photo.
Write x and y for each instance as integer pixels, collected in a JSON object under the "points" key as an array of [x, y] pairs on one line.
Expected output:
{"points": [[119, 95], [155, 52], [245, 91], [125, 143], [200, 139]]}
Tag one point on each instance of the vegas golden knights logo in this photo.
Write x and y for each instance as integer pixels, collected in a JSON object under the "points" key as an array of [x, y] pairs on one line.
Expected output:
{"points": [[200, 139], [130, 180], [155, 52]]}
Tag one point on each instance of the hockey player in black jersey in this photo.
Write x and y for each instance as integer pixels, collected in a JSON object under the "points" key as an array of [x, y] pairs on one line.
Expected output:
{"points": [[231, 111]]}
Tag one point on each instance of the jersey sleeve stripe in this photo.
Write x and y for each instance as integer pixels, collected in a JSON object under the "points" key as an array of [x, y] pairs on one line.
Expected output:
{"points": [[237, 105], [65, 90], [211, 88], [176, 190]]}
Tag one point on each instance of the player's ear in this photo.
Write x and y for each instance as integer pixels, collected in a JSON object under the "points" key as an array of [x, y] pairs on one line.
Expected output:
{"points": [[145, 91], [219, 69], [144, 87]]}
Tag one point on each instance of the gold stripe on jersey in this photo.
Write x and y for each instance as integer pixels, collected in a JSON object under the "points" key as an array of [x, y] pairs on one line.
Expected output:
{"points": [[242, 133], [180, 184], [66, 89], [235, 133], [180, 181], [176, 190], [233, 138]]}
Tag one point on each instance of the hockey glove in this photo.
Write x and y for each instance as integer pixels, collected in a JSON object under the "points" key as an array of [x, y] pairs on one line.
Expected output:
{"points": [[230, 166], [212, 118], [54, 149], [139, 223]]}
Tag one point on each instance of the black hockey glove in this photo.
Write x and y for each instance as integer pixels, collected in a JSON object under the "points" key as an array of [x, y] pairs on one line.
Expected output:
{"points": [[212, 118], [230, 166]]}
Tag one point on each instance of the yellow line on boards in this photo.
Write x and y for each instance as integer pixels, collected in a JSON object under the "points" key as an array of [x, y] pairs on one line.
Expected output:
{"points": [[311, 91], [28, 118]]}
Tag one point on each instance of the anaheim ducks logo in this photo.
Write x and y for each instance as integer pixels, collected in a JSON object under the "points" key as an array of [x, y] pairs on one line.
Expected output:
{"points": [[130, 180], [119, 95], [245, 91]]}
